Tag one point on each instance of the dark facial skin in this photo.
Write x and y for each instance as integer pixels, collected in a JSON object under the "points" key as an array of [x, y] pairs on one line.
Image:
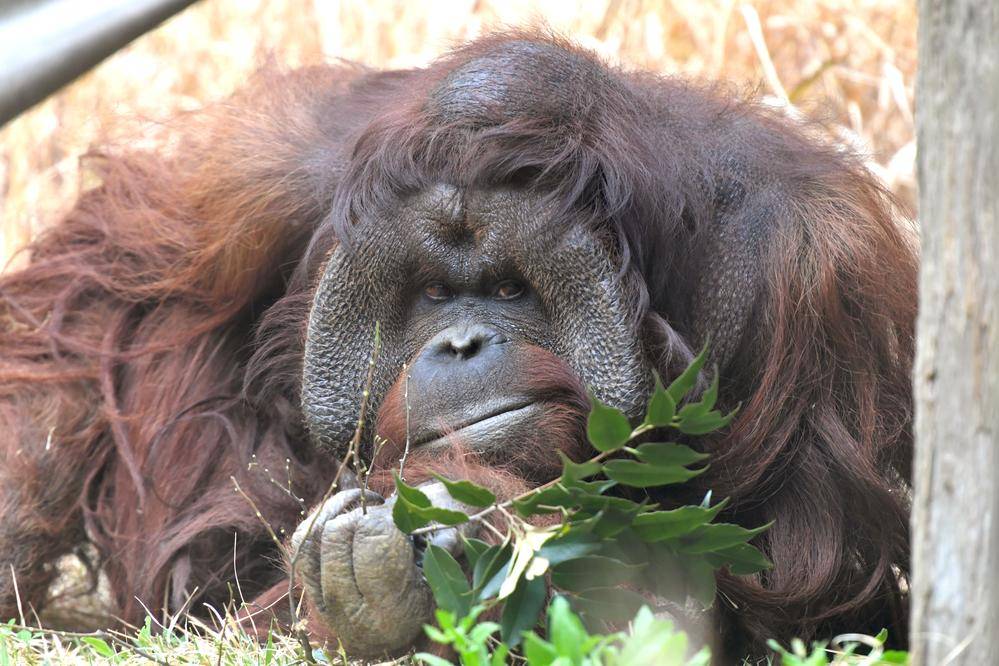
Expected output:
{"points": [[467, 359], [476, 310], [464, 285]]}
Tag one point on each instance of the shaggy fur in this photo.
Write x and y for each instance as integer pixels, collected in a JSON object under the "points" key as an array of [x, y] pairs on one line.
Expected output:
{"points": [[152, 348]]}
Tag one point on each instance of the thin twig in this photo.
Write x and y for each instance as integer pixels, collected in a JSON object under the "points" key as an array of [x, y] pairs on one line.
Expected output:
{"points": [[260, 516], [17, 594], [303, 639], [286, 488], [355, 443], [379, 443], [293, 609], [239, 588], [405, 399]]}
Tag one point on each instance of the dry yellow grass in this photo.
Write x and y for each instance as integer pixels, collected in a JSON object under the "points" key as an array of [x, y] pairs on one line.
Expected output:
{"points": [[852, 62]]}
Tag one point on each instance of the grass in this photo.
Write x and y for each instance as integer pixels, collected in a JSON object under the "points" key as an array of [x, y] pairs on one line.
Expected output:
{"points": [[202, 645]]}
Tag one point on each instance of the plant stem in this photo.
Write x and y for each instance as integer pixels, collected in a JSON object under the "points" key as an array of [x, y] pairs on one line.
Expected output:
{"points": [[481, 515]]}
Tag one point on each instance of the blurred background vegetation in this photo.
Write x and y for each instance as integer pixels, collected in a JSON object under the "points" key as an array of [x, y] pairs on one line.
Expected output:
{"points": [[850, 63]]}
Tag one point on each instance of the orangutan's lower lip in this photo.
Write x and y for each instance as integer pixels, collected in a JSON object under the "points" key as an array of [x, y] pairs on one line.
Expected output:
{"points": [[492, 426]]}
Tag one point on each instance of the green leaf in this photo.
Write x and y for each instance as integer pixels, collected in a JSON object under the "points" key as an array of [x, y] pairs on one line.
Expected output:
{"points": [[406, 511], [653, 641], [492, 585], [447, 581], [414, 496], [538, 651], [583, 488], [639, 475], [704, 405], [522, 610], [661, 525], [668, 453], [687, 380], [702, 425], [665, 574], [468, 492], [894, 657], [409, 517], [413, 510], [701, 584], [473, 549], [595, 503], [608, 523], [499, 656], [610, 604], [555, 496], [445, 619], [627, 547], [741, 559], [486, 574], [568, 547], [566, 631], [465, 623], [145, 635], [436, 635], [99, 646], [713, 538], [607, 428], [586, 573], [580, 494], [482, 631], [662, 406], [443, 516], [572, 471]]}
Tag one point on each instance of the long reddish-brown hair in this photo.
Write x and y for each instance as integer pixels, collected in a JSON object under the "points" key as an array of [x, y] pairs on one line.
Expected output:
{"points": [[152, 347]]}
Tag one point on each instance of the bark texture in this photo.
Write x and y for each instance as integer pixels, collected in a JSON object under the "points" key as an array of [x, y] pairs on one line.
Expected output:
{"points": [[955, 600]]}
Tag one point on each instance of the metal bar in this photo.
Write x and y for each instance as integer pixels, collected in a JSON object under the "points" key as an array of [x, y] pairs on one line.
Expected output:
{"points": [[45, 44]]}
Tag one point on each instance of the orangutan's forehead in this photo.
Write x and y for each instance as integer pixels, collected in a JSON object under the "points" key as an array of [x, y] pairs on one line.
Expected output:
{"points": [[473, 219]]}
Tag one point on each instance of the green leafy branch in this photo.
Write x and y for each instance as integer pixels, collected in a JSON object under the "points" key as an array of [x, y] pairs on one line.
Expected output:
{"points": [[845, 652], [608, 431], [606, 545], [567, 642], [649, 641]]}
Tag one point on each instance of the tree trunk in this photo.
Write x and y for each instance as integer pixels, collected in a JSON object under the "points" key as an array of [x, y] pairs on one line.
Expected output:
{"points": [[955, 584]]}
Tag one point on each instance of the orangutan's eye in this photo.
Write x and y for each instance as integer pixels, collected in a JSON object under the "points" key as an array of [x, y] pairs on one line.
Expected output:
{"points": [[508, 290], [438, 291]]}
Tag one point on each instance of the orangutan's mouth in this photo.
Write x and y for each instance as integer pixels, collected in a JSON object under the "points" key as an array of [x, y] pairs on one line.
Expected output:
{"points": [[478, 432]]}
